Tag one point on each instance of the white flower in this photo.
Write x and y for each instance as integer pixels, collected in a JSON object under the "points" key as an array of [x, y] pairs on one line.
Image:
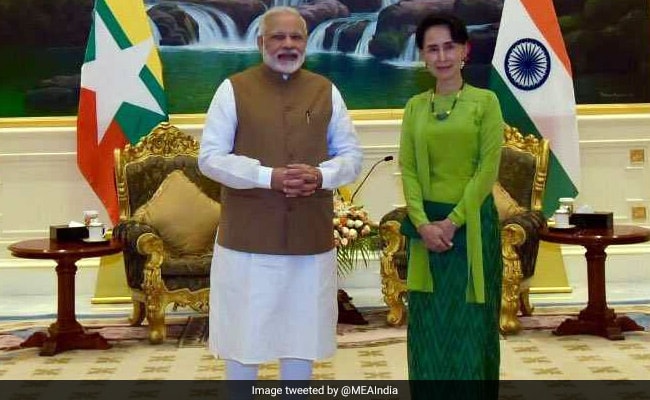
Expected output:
{"points": [[358, 223]]}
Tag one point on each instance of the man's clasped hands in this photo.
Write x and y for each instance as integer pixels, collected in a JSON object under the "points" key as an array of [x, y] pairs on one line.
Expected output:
{"points": [[296, 180]]}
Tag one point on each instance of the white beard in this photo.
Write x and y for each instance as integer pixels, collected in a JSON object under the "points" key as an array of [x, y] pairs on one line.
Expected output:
{"points": [[284, 67]]}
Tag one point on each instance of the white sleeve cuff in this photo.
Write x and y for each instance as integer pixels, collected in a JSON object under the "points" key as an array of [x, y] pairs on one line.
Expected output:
{"points": [[327, 176], [264, 177]]}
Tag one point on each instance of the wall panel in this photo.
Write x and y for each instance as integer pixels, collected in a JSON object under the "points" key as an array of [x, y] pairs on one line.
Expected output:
{"points": [[41, 185]]}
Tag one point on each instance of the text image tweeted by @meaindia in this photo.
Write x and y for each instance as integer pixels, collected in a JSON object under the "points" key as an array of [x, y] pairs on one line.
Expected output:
{"points": [[356, 391]]}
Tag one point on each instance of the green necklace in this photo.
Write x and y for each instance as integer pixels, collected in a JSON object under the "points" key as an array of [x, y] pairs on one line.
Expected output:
{"points": [[441, 116]]}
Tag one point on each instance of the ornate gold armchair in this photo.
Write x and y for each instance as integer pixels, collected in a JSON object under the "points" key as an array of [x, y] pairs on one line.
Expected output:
{"points": [[169, 213], [518, 196]]}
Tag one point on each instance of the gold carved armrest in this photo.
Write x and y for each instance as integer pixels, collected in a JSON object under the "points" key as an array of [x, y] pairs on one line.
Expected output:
{"points": [[392, 240], [531, 222], [128, 232], [151, 245]]}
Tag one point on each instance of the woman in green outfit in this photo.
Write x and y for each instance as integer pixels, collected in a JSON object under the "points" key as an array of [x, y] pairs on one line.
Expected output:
{"points": [[449, 156]]}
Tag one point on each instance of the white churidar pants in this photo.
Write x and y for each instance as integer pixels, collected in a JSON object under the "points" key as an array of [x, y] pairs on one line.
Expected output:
{"points": [[264, 307]]}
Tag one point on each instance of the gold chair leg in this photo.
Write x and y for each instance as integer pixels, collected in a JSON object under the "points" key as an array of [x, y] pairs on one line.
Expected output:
{"points": [[393, 297], [524, 303], [393, 290], [156, 320], [511, 235], [508, 321], [138, 313], [153, 286], [396, 310]]}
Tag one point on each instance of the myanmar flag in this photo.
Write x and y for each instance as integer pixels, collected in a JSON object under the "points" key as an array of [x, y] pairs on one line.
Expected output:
{"points": [[531, 75], [122, 96]]}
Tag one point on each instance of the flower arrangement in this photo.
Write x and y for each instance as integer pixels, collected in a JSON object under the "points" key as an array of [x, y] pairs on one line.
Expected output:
{"points": [[355, 236]]}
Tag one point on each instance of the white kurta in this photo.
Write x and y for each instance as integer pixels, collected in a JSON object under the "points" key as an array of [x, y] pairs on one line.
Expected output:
{"points": [[264, 307]]}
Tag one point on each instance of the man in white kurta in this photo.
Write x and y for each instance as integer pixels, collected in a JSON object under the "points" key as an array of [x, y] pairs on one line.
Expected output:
{"points": [[274, 306]]}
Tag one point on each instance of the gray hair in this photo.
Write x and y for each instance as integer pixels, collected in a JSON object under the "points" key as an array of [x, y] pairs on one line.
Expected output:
{"points": [[280, 10]]}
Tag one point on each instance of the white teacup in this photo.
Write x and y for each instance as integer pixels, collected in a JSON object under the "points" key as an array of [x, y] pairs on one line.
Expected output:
{"points": [[561, 218], [96, 231], [567, 203]]}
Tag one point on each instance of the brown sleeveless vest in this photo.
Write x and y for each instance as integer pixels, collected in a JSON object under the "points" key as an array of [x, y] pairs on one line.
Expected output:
{"points": [[279, 122]]}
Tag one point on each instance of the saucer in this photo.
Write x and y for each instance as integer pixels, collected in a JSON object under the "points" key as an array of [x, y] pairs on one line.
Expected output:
{"points": [[570, 226], [102, 240]]}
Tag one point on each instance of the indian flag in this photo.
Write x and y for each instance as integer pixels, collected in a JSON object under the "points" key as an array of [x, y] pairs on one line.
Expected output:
{"points": [[531, 75], [122, 96]]}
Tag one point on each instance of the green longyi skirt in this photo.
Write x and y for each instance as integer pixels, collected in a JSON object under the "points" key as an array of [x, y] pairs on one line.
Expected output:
{"points": [[448, 338]]}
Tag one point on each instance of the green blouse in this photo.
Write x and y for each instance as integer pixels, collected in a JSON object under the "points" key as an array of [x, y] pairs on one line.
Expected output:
{"points": [[455, 161]]}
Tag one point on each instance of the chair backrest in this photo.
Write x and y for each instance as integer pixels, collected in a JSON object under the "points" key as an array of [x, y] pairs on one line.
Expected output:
{"points": [[524, 167], [141, 168]]}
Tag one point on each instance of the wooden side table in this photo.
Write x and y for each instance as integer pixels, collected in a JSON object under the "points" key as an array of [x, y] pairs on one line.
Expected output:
{"points": [[597, 318], [66, 333]]}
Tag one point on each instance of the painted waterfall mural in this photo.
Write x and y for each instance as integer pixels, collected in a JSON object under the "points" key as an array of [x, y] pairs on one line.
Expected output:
{"points": [[366, 47], [212, 40]]}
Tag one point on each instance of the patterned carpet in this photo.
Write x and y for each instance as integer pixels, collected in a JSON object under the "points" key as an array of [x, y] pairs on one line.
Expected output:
{"points": [[192, 331], [374, 351]]}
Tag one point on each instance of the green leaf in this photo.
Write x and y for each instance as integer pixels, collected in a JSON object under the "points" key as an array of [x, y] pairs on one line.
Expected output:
{"points": [[360, 249]]}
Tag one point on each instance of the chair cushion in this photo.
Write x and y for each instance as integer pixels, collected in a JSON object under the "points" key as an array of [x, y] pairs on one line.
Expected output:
{"points": [[506, 206], [183, 215]]}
